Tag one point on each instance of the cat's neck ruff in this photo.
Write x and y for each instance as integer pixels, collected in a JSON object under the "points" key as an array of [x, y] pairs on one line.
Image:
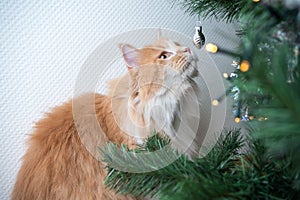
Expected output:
{"points": [[158, 112]]}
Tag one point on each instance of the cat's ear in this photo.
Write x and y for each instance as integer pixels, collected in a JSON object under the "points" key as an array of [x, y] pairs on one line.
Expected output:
{"points": [[131, 55]]}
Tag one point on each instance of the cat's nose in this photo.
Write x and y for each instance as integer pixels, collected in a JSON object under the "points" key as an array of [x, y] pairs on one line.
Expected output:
{"points": [[187, 50]]}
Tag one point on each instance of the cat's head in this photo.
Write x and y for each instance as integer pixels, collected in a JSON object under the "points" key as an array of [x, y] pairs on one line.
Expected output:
{"points": [[156, 68]]}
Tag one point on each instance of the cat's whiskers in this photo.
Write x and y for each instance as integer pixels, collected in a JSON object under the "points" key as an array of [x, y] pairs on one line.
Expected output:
{"points": [[184, 63]]}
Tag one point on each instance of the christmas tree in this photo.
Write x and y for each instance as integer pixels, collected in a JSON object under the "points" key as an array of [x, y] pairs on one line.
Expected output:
{"points": [[265, 87]]}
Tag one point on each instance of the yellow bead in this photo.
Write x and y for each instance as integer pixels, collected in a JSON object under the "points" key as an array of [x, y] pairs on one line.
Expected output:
{"points": [[215, 102], [237, 120], [212, 48], [225, 75], [244, 66]]}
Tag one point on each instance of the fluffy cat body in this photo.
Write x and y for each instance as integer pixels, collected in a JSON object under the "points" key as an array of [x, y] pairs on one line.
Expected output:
{"points": [[61, 161]]}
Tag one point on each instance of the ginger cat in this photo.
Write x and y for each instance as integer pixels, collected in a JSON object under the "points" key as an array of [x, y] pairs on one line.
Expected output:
{"points": [[61, 161]]}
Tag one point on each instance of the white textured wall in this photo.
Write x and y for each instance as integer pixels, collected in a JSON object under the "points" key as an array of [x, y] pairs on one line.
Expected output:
{"points": [[43, 44]]}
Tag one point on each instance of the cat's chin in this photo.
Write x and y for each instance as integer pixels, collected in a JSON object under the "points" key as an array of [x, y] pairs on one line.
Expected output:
{"points": [[189, 68]]}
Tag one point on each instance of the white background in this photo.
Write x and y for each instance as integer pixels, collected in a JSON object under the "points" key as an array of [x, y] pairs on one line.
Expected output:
{"points": [[43, 44]]}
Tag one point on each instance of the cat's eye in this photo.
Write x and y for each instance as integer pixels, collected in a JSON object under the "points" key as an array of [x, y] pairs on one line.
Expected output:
{"points": [[164, 55]]}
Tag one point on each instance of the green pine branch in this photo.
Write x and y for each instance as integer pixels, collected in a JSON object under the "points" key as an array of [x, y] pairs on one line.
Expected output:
{"points": [[270, 32], [225, 173], [268, 76], [226, 10]]}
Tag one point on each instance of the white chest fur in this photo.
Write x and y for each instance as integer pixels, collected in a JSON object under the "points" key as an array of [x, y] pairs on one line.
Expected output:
{"points": [[160, 110]]}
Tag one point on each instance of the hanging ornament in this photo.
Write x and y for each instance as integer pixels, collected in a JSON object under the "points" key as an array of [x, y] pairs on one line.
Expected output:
{"points": [[199, 39]]}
